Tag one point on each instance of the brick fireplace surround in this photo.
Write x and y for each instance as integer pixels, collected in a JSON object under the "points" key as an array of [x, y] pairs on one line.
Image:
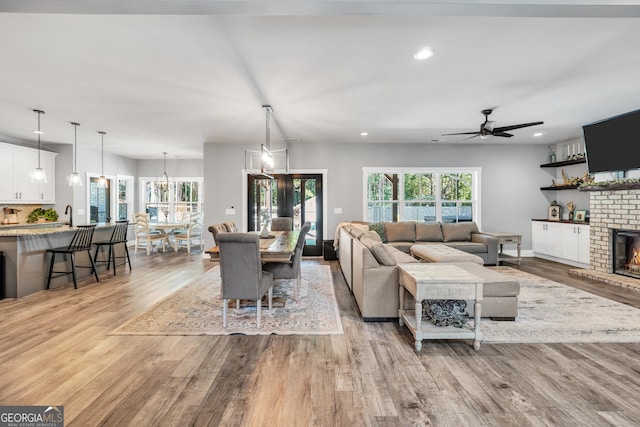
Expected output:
{"points": [[610, 209]]}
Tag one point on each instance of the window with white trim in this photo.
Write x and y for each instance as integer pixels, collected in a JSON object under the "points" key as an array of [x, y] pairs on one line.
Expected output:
{"points": [[421, 194], [173, 202]]}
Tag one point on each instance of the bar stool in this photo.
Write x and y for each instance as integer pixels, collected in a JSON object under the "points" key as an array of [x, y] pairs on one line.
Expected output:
{"points": [[119, 236], [80, 242]]}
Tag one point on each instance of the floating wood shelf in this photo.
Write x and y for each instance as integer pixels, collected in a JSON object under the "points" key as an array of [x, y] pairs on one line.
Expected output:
{"points": [[564, 163], [560, 187]]}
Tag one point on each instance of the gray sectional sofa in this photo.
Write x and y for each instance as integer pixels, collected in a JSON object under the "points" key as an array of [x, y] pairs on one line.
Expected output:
{"points": [[369, 263]]}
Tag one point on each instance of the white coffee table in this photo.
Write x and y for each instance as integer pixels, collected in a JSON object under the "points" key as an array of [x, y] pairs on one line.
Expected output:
{"points": [[439, 281]]}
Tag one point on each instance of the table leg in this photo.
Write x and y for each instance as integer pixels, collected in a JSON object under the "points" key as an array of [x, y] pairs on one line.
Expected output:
{"points": [[476, 325], [418, 314], [519, 242], [401, 307]]}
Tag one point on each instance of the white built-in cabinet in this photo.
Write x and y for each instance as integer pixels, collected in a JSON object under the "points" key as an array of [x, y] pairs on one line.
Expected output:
{"points": [[16, 166], [562, 242]]}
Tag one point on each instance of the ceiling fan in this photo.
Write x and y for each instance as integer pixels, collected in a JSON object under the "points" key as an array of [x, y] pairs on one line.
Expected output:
{"points": [[487, 128]]}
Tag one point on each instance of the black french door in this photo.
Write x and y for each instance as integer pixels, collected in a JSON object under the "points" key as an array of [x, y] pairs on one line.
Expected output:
{"points": [[298, 196]]}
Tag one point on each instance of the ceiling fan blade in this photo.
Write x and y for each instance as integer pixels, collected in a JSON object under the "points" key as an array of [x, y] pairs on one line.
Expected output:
{"points": [[512, 127], [506, 135], [462, 133]]}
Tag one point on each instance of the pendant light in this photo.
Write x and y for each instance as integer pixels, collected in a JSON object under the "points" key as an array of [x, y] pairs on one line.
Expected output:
{"points": [[102, 181], [38, 176], [74, 179]]}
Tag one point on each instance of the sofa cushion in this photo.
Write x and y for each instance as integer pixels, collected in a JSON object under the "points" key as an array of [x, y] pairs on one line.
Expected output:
{"points": [[356, 232], [370, 238], [382, 254], [404, 231], [460, 231], [378, 227], [429, 232], [471, 247], [403, 246]]}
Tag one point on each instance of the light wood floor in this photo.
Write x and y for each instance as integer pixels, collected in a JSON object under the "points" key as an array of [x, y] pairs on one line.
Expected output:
{"points": [[55, 349]]}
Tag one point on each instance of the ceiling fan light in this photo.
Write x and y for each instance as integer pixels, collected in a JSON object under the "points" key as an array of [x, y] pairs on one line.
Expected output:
{"points": [[424, 53]]}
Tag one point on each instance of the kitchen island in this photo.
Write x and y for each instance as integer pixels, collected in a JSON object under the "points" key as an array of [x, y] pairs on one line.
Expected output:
{"points": [[26, 258]]}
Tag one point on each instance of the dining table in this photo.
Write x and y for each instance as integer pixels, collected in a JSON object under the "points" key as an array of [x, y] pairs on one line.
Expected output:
{"points": [[166, 228], [279, 246]]}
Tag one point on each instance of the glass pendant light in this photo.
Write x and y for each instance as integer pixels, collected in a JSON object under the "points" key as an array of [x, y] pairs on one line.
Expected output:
{"points": [[38, 176], [102, 181], [74, 179]]}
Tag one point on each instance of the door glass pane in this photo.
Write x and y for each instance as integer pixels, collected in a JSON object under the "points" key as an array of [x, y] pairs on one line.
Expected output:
{"points": [[305, 207], [99, 202]]}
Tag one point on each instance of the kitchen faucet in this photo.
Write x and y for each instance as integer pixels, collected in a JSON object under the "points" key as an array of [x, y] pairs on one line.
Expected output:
{"points": [[69, 211]]}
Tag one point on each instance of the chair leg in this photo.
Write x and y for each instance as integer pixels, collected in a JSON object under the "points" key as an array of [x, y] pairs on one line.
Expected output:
{"points": [[93, 267], [126, 251], [109, 260], [73, 268], [148, 247], [225, 309], [53, 258], [112, 253], [270, 298]]}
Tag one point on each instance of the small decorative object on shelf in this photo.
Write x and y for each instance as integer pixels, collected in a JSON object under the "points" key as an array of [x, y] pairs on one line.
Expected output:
{"points": [[552, 154], [575, 152], [571, 207], [555, 211], [581, 216]]}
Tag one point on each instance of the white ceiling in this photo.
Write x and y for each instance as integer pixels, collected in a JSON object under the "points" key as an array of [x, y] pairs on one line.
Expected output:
{"points": [[172, 75]]}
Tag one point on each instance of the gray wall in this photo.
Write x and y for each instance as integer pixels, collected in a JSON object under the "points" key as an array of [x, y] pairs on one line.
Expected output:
{"points": [[175, 168], [511, 178]]}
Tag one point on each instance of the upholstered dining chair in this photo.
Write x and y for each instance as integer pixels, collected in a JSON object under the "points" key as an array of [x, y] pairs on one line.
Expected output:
{"points": [[241, 272], [183, 239], [231, 227], [288, 271], [144, 236], [216, 229], [283, 223]]}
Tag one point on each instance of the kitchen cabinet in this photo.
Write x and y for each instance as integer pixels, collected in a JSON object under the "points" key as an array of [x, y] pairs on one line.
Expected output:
{"points": [[575, 242], [17, 164]]}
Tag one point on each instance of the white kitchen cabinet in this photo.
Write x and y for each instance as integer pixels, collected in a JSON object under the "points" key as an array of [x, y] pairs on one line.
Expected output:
{"points": [[562, 242], [17, 164]]}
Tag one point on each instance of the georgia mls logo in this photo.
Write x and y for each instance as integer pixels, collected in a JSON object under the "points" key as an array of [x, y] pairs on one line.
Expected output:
{"points": [[31, 416]]}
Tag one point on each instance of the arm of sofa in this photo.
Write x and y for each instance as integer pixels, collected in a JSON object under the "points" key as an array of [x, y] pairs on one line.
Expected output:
{"points": [[492, 246]]}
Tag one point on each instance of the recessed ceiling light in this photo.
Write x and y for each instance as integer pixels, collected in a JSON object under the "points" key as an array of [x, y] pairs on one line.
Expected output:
{"points": [[424, 53], [537, 134], [364, 133]]}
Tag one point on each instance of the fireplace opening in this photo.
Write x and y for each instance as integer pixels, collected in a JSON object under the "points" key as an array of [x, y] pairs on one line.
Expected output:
{"points": [[626, 252]]}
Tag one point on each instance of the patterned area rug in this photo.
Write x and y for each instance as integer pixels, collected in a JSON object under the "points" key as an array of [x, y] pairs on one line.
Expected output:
{"points": [[549, 312], [196, 309]]}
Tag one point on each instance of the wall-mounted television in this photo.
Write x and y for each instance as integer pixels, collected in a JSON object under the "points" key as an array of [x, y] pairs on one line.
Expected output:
{"points": [[613, 144]]}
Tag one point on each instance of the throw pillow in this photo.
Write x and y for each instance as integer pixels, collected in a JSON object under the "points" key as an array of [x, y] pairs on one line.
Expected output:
{"points": [[370, 238], [381, 253], [378, 227], [404, 231], [445, 312], [429, 232], [460, 231]]}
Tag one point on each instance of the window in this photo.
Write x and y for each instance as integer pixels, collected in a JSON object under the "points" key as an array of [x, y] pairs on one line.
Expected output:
{"points": [[171, 202], [125, 197], [422, 195]]}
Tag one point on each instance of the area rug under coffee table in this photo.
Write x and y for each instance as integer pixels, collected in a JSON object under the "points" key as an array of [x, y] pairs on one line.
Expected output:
{"points": [[549, 312], [196, 309]]}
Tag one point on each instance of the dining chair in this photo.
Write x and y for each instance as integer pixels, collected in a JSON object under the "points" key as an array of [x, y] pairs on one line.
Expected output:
{"points": [[118, 237], [216, 229], [145, 237], [81, 242], [291, 270], [241, 272], [183, 238], [231, 226], [282, 223]]}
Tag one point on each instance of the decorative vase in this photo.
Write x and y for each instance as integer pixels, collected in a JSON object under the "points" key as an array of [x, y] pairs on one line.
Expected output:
{"points": [[570, 215], [265, 231]]}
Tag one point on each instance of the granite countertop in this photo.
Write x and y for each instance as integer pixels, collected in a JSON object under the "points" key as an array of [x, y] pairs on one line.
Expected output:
{"points": [[38, 229]]}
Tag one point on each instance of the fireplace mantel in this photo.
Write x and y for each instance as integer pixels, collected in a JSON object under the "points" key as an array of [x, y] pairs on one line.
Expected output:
{"points": [[611, 186]]}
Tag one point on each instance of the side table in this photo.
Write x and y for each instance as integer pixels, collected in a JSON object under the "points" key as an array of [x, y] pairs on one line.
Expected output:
{"points": [[438, 281], [505, 237]]}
